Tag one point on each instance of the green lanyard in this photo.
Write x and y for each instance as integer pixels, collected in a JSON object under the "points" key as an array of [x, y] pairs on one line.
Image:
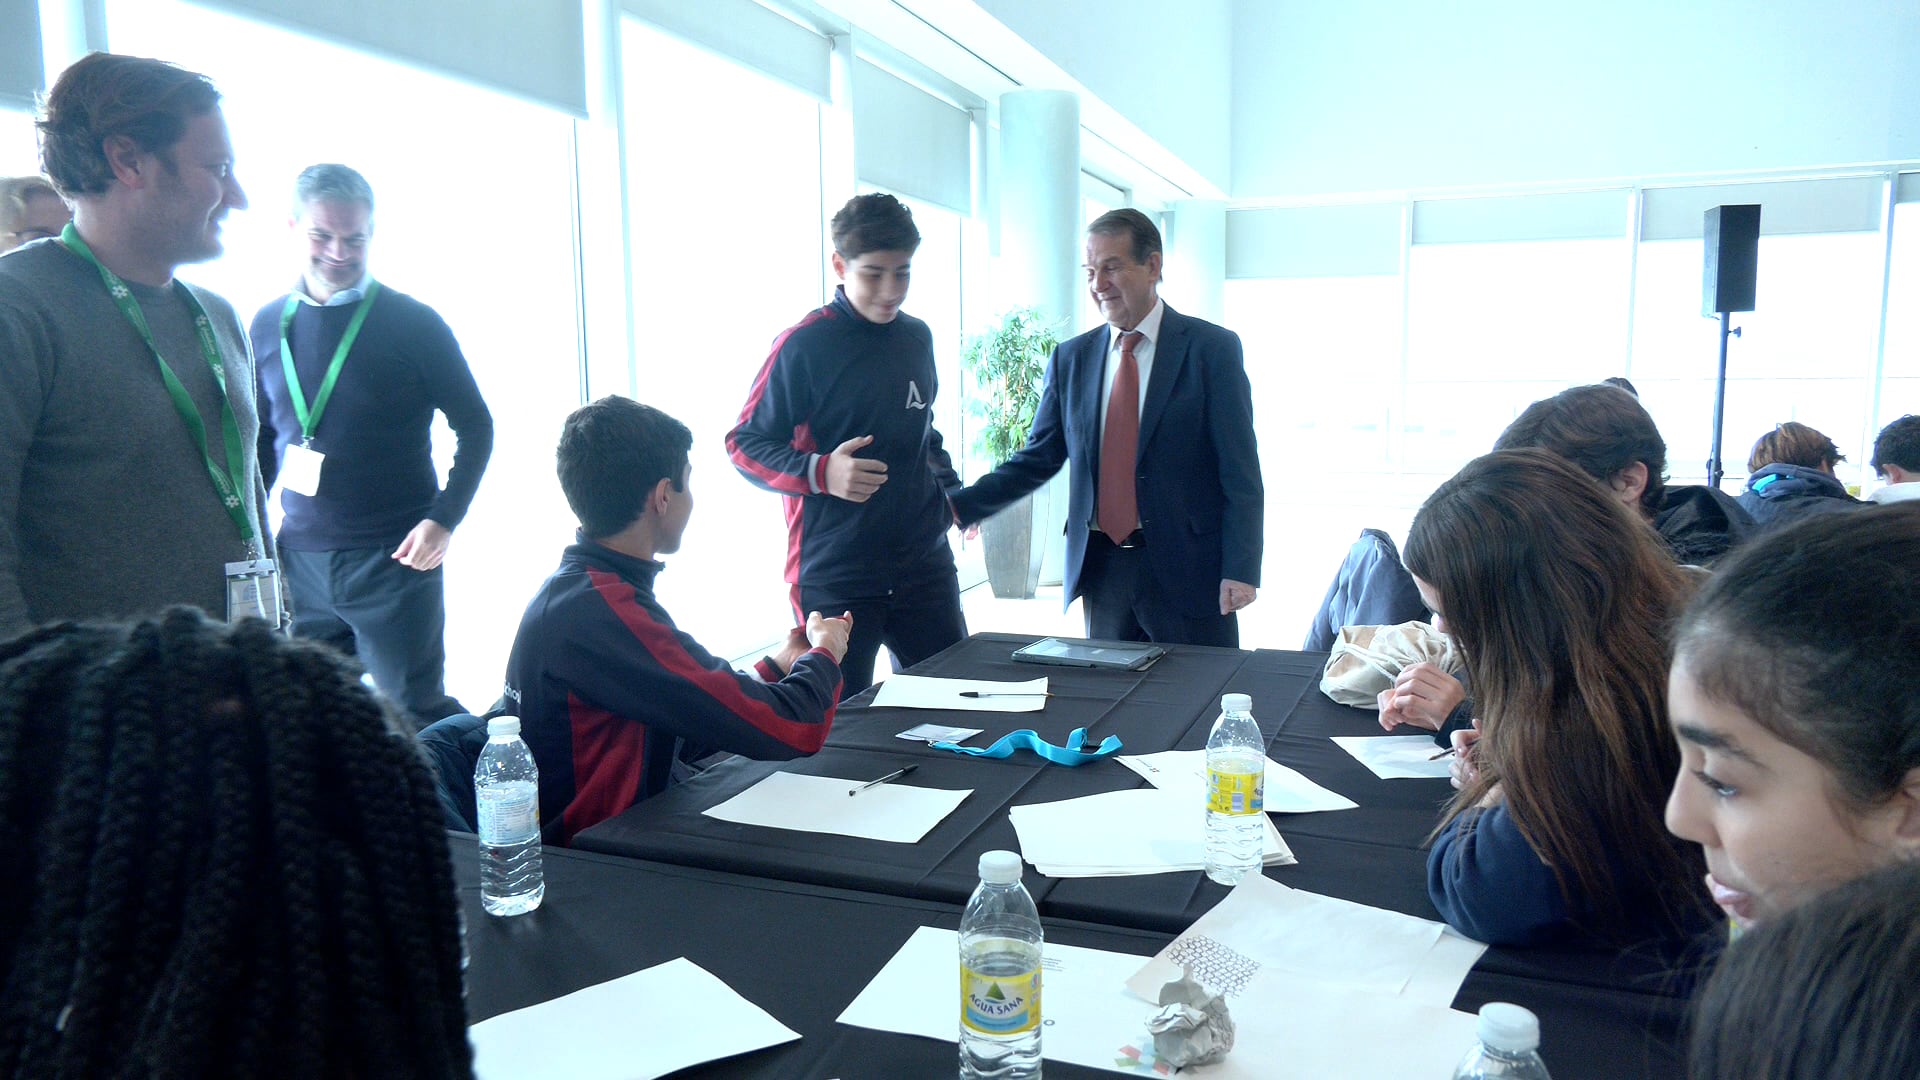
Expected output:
{"points": [[310, 419], [231, 481]]}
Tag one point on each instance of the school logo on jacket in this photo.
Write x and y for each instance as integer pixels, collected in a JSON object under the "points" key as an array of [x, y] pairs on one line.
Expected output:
{"points": [[914, 400]]}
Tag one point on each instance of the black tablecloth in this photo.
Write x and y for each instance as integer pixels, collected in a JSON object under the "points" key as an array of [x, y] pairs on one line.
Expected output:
{"points": [[1602, 1013], [800, 952]]}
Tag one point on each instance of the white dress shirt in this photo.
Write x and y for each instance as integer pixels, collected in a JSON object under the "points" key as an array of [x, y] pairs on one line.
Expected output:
{"points": [[1142, 356]]}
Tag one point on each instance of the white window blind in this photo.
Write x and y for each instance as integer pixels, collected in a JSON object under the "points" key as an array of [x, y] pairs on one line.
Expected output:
{"points": [[749, 35], [21, 68], [1836, 205], [1314, 241], [908, 141], [1578, 215], [535, 51]]}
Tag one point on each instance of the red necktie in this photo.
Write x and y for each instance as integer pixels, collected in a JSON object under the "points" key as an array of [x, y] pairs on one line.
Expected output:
{"points": [[1117, 510]]}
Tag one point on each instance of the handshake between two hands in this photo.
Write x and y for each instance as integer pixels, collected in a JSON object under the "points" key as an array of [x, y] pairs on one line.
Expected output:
{"points": [[820, 632]]}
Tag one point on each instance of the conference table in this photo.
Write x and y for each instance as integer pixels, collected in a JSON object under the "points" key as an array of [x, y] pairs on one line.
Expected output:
{"points": [[1603, 1014], [801, 952]]}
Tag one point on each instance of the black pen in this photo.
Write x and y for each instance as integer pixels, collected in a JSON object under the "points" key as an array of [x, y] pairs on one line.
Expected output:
{"points": [[894, 775], [1442, 753], [1004, 693]]}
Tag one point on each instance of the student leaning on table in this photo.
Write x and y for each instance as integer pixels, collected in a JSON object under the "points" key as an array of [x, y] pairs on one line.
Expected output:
{"points": [[614, 700], [226, 861], [1793, 698], [1560, 600]]}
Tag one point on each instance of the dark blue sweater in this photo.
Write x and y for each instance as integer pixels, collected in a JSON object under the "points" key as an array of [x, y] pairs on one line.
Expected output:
{"points": [[379, 480], [832, 377], [1489, 884]]}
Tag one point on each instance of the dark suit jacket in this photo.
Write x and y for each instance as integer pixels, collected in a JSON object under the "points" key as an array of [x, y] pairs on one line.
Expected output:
{"points": [[1198, 478]]}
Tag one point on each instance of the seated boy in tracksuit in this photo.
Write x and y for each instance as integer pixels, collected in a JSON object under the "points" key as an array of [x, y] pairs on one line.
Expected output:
{"points": [[840, 421], [611, 696]]}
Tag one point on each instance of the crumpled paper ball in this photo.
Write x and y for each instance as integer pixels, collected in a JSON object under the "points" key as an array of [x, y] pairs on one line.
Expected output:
{"points": [[1192, 1026]]}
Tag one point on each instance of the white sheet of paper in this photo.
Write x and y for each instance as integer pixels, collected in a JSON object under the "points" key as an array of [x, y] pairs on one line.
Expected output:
{"points": [[1395, 757], [894, 811], [1285, 1027], [1290, 933], [1143, 831], [636, 1027], [1085, 1008], [925, 692], [933, 733], [1286, 791]]}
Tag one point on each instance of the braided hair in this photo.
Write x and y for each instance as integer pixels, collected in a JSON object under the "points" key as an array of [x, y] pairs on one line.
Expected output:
{"points": [[232, 861]]}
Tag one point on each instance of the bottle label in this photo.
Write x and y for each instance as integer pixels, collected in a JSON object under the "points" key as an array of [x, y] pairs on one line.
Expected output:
{"points": [[1000, 1004], [509, 817], [1235, 792]]}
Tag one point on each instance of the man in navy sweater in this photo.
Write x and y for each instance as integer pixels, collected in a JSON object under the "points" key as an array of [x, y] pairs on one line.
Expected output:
{"points": [[614, 701], [840, 421], [351, 374]]}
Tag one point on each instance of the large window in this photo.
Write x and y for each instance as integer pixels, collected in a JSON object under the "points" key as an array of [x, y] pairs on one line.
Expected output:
{"points": [[728, 247], [1323, 357], [474, 218], [1494, 326], [1805, 353], [1900, 385], [19, 153]]}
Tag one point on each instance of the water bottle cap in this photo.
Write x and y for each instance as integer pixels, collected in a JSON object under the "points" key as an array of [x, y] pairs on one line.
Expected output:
{"points": [[1236, 703], [1509, 1027], [503, 725], [1000, 867]]}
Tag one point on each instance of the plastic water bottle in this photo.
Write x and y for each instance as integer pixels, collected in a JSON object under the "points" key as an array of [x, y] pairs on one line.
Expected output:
{"points": [[1236, 783], [1000, 976], [1509, 1037], [506, 787]]}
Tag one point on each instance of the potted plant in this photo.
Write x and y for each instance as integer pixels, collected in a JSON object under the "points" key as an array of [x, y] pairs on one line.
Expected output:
{"points": [[1007, 363]]}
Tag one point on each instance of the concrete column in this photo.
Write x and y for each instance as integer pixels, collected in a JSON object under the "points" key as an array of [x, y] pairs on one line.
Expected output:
{"points": [[1037, 184], [1195, 277]]}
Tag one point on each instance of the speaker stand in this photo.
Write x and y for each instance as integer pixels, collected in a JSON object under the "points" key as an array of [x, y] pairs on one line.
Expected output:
{"points": [[1714, 471]]}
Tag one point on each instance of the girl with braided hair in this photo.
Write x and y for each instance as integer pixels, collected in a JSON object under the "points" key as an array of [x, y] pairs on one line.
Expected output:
{"points": [[232, 860]]}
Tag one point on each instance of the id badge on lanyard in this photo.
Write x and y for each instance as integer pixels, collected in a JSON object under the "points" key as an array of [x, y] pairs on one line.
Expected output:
{"points": [[300, 463], [300, 469], [253, 591]]}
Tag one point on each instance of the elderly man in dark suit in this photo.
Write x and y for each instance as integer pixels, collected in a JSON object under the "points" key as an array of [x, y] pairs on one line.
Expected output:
{"points": [[1154, 415]]}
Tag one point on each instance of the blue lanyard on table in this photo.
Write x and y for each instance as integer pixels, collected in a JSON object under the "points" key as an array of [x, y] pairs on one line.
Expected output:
{"points": [[1074, 753]]}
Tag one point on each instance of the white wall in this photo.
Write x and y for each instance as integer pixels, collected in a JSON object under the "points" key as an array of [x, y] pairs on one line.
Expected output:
{"points": [[1387, 95], [1165, 66]]}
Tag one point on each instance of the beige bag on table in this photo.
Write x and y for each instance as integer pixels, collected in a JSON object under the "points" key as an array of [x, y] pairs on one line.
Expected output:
{"points": [[1366, 659]]}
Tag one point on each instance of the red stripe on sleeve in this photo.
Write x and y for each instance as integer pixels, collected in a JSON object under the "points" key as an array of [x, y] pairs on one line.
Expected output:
{"points": [[609, 761], [773, 478], [723, 687]]}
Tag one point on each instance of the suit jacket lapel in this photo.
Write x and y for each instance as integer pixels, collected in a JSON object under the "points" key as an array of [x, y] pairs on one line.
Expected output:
{"points": [[1169, 353], [1090, 375]]}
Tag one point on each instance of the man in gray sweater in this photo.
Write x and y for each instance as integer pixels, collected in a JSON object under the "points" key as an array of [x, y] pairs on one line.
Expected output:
{"points": [[128, 472]]}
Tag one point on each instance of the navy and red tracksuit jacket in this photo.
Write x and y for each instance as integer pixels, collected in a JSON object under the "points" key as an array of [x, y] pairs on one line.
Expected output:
{"points": [[832, 377], [610, 695]]}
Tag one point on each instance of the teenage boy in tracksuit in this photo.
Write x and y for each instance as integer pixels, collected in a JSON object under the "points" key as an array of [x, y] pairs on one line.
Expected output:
{"points": [[840, 421]]}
